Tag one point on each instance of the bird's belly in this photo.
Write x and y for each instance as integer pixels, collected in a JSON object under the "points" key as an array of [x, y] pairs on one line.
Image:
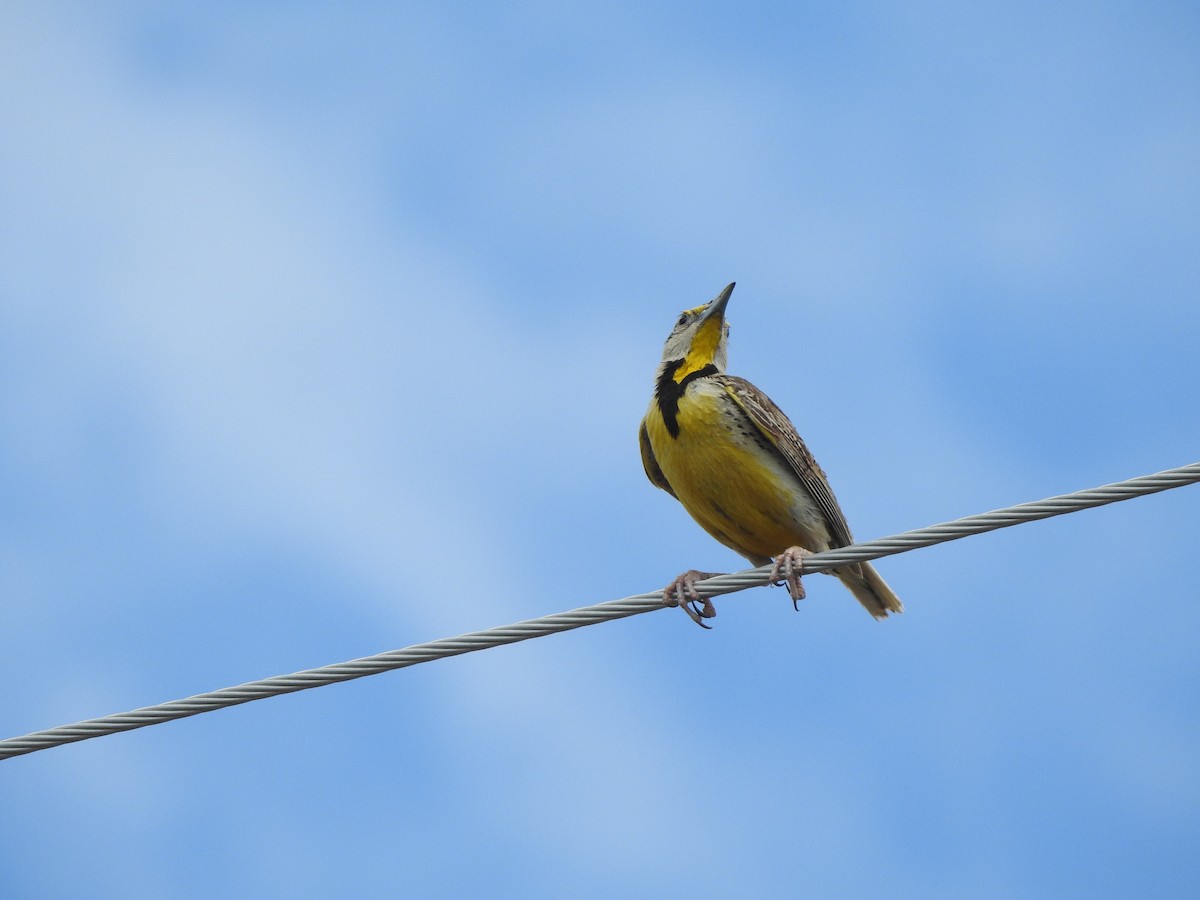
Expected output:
{"points": [[735, 485]]}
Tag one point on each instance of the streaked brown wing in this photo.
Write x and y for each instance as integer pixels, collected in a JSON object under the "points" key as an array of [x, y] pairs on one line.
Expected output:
{"points": [[778, 429], [653, 472]]}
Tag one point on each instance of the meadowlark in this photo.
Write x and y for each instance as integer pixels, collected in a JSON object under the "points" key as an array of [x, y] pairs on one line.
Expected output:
{"points": [[718, 445]]}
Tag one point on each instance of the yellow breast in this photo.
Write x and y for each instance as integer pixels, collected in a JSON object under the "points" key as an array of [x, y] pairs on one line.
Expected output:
{"points": [[730, 479]]}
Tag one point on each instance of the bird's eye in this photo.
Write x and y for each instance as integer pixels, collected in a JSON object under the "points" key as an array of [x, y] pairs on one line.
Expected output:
{"points": [[726, 329], [682, 320]]}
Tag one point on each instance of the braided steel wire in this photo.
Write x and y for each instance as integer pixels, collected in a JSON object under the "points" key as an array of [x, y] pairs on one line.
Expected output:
{"points": [[591, 615]]}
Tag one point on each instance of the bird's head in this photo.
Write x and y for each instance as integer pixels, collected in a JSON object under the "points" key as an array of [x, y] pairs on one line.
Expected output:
{"points": [[699, 338]]}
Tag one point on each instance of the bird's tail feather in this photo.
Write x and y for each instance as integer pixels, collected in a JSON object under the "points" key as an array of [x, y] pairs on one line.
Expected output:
{"points": [[871, 590]]}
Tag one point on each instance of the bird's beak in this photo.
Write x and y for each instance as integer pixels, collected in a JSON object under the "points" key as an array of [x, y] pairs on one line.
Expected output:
{"points": [[716, 308]]}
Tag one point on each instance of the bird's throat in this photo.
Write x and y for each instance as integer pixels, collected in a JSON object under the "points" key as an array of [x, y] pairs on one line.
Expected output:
{"points": [[703, 349]]}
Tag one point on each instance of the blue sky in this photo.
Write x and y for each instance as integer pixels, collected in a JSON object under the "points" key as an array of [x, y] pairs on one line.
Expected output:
{"points": [[326, 329]]}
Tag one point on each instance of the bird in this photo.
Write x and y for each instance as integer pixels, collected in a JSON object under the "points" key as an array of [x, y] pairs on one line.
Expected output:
{"points": [[723, 449]]}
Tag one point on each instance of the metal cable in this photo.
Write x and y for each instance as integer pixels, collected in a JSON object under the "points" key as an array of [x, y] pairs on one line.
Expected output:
{"points": [[590, 615]]}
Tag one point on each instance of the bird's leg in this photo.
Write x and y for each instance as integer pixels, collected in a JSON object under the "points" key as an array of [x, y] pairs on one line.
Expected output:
{"points": [[682, 592], [787, 569]]}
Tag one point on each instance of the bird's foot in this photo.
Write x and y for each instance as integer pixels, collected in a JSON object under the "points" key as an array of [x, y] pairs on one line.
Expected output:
{"points": [[787, 570], [682, 592]]}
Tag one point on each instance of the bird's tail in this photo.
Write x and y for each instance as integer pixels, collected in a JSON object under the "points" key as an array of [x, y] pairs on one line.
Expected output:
{"points": [[870, 589]]}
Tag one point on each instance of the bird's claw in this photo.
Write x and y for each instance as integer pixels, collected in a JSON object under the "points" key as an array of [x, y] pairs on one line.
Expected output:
{"points": [[787, 570], [682, 593]]}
